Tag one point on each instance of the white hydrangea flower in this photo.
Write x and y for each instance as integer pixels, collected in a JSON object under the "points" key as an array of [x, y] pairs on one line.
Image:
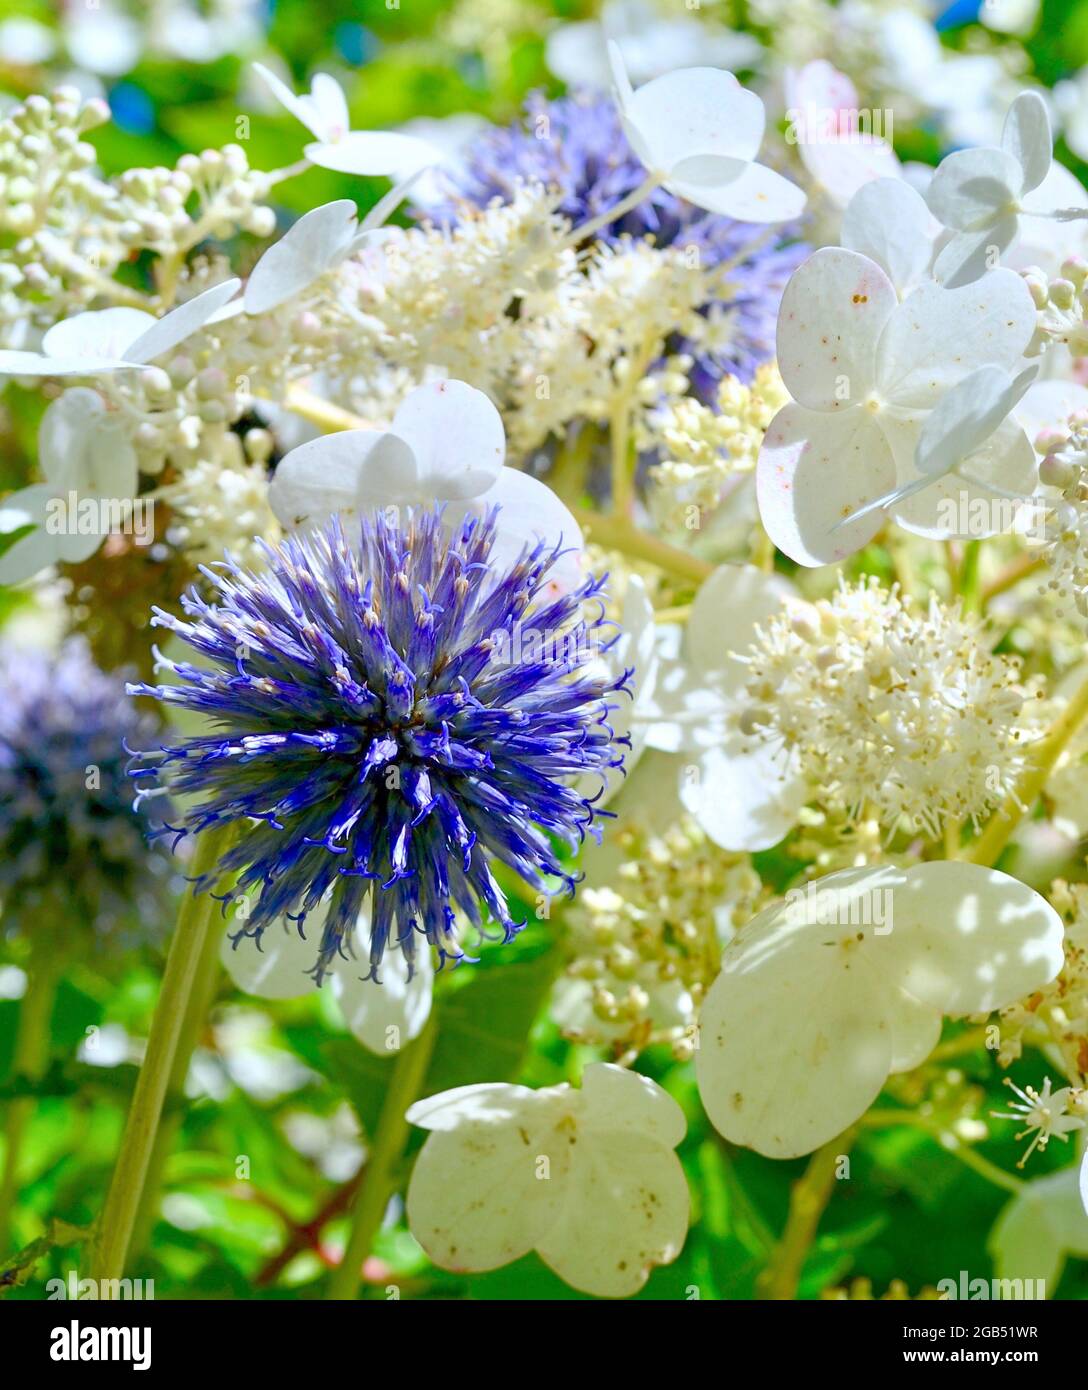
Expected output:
{"points": [[446, 443], [888, 221], [383, 1015], [897, 407], [320, 241], [1039, 1228], [820, 102], [324, 113], [102, 341], [744, 794], [978, 193], [823, 996], [588, 1178], [698, 131], [83, 449]]}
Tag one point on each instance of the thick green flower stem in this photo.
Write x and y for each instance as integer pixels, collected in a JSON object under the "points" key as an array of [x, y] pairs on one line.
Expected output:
{"points": [[386, 1148], [1043, 755], [617, 533], [29, 1062], [196, 1015], [197, 916], [808, 1201]]}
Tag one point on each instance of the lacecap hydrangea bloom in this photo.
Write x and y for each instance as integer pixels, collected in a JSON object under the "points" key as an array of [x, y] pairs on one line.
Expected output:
{"points": [[576, 145], [72, 847], [383, 734]]}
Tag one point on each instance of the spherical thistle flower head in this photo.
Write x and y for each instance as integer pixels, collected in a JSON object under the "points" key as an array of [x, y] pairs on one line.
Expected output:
{"points": [[390, 718], [74, 852], [577, 145], [908, 713]]}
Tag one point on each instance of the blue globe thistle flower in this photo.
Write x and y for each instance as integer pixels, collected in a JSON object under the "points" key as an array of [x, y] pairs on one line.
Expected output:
{"points": [[585, 156], [384, 733], [74, 852]]}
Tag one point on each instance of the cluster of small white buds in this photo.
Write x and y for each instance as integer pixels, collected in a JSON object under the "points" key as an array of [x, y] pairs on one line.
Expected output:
{"points": [[1061, 304], [1065, 468], [214, 194]]}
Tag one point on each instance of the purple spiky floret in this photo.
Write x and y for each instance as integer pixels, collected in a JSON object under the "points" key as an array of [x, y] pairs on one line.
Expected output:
{"points": [[378, 737]]}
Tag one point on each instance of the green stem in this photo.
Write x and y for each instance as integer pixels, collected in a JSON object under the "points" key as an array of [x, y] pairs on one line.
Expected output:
{"points": [[195, 916], [808, 1201], [205, 983], [948, 1141], [617, 533], [379, 1180], [1043, 755], [31, 1056]]}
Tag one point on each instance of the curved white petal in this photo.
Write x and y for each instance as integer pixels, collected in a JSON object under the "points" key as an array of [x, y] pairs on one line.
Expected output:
{"points": [[966, 416], [888, 222], [758, 194], [83, 447], [373, 153], [35, 551], [969, 939], [727, 609], [1027, 138], [180, 323], [967, 256], [616, 1098], [529, 512], [100, 334], [695, 111], [302, 110], [457, 437], [815, 470], [625, 1209], [277, 968], [343, 473], [742, 794], [310, 247], [972, 189], [386, 1015], [833, 312], [844, 166]]}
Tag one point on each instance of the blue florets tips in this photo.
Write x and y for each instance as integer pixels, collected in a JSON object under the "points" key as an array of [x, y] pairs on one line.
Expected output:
{"points": [[391, 714]]}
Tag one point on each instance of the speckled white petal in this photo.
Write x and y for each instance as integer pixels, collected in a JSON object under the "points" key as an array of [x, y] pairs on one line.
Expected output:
{"points": [[477, 1197], [84, 447], [616, 1098], [833, 312], [938, 336], [814, 470], [625, 1209], [793, 1047]]}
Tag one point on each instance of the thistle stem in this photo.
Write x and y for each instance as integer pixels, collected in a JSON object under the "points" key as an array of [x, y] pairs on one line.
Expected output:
{"points": [[379, 1179], [31, 1056], [1043, 756], [196, 1014], [808, 1201], [194, 924]]}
